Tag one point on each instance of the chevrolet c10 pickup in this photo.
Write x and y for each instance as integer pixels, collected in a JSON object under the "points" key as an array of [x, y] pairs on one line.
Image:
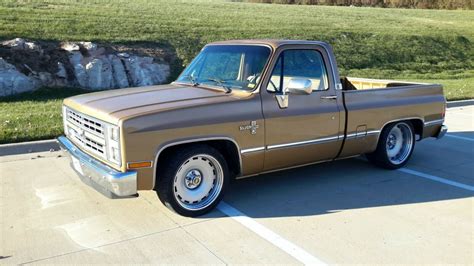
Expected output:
{"points": [[243, 108]]}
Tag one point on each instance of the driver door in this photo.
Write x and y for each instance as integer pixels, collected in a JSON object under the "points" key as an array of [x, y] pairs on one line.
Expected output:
{"points": [[308, 130]]}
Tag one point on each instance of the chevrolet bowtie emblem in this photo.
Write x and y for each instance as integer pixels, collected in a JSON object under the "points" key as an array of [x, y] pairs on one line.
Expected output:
{"points": [[252, 127]]}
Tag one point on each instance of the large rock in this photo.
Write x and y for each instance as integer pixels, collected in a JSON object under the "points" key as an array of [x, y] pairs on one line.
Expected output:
{"points": [[13, 81], [144, 72], [104, 72], [120, 76], [47, 79], [61, 73], [99, 72], [75, 64], [21, 44], [159, 72], [70, 46], [76, 60]]}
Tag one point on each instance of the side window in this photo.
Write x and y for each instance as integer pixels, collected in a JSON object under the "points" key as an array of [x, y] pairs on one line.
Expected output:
{"points": [[306, 64]]}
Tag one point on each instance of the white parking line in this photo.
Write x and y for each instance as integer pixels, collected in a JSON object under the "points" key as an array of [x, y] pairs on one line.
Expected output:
{"points": [[459, 137], [293, 250], [437, 179]]}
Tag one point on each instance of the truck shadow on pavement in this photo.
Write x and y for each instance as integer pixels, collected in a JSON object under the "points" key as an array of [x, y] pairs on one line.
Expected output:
{"points": [[333, 187]]}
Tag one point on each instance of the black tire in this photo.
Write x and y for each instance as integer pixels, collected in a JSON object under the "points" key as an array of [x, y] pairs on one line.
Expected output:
{"points": [[169, 183], [380, 157]]}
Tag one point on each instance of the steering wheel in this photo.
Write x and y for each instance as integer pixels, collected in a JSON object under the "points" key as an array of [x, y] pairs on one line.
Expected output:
{"points": [[256, 76]]}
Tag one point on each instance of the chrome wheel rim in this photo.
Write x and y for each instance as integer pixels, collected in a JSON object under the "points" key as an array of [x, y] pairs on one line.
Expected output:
{"points": [[198, 182], [399, 143]]}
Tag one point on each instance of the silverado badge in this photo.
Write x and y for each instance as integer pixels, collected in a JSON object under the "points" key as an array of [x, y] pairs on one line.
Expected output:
{"points": [[252, 127]]}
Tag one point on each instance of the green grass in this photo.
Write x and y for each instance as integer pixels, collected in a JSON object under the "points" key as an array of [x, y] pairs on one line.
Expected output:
{"points": [[454, 89], [33, 115], [420, 45], [458, 85]]}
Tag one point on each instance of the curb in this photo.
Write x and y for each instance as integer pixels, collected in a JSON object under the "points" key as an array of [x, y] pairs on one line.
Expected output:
{"points": [[28, 147], [460, 103], [52, 144]]}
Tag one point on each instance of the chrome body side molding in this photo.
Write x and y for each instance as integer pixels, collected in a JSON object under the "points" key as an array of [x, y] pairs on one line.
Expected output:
{"points": [[433, 122], [314, 141], [305, 142], [373, 132], [355, 135], [252, 150]]}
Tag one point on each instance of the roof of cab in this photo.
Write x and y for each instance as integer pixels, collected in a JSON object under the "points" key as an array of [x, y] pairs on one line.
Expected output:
{"points": [[270, 42]]}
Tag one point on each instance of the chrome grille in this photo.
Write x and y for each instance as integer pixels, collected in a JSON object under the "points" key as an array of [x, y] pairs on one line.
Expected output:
{"points": [[85, 122], [85, 131]]}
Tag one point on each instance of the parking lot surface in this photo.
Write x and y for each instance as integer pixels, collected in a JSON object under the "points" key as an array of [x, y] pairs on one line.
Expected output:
{"points": [[346, 211]]}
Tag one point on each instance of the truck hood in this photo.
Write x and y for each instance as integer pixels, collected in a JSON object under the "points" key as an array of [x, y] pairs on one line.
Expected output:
{"points": [[115, 105]]}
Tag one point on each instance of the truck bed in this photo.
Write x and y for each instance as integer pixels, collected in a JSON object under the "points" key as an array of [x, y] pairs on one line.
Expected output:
{"points": [[351, 83], [371, 104]]}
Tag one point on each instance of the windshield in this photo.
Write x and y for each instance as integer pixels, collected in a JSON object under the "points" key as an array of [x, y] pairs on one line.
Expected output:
{"points": [[227, 66]]}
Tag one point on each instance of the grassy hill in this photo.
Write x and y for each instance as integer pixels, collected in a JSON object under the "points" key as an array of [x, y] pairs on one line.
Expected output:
{"points": [[419, 45]]}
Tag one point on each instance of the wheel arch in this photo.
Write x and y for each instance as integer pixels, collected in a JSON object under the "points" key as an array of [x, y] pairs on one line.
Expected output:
{"points": [[380, 156], [416, 122], [228, 147], [418, 125]]}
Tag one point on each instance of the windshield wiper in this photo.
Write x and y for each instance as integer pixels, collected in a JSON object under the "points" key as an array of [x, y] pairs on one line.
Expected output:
{"points": [[221, 83], [193, 80]]}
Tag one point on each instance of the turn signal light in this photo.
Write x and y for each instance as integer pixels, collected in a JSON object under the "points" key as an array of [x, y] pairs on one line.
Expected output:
{"points": [[138, 165]]}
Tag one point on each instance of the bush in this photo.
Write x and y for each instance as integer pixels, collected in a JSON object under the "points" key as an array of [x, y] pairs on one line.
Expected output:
{"points": [[428, 4]]}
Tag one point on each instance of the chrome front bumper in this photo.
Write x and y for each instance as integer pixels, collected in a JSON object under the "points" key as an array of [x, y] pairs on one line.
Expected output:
{"points": [[104, 179], [442, 131]]}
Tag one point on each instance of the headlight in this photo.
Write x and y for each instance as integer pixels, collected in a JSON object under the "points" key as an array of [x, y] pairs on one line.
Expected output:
{"points": [[113, 144], [114, 133]]}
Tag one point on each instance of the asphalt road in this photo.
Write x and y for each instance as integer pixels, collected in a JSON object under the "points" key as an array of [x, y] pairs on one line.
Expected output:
{"points": [[340, 212]]}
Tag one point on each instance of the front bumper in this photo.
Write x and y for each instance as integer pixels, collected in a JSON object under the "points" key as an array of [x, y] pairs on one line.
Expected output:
{"points": [[110, 182], [442, 131]]}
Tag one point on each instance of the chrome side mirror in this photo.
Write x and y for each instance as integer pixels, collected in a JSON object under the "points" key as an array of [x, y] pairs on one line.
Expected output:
{"points": [[299, 86]]}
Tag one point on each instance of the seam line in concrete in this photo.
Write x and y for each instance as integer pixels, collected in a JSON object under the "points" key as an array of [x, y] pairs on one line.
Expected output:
{"points": [[100, 246], [437, 179], [188, 233], [291, 249], [113, 243], [202, 244]]}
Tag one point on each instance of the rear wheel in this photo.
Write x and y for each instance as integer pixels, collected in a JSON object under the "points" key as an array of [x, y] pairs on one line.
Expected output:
{"points": [[395, 146], [192, 180]]}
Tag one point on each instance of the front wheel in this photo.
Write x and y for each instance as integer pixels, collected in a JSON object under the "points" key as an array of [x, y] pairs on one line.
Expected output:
{"points": [[192, 180], [395, 146]]}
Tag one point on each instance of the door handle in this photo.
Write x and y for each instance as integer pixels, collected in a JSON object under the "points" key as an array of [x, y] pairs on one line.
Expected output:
{"points": [[329, 97]]}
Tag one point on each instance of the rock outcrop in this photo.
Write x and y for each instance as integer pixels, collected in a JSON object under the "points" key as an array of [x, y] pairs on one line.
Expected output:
{"points": [[12, 81], [26, 66]]}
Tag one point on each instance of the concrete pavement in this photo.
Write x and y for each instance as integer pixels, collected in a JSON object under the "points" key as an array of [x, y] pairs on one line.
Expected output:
{"points": [[340, 212]]}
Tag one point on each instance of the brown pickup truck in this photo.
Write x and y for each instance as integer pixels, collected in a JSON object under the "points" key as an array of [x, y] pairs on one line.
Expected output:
{"points": [[243, 108]]}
